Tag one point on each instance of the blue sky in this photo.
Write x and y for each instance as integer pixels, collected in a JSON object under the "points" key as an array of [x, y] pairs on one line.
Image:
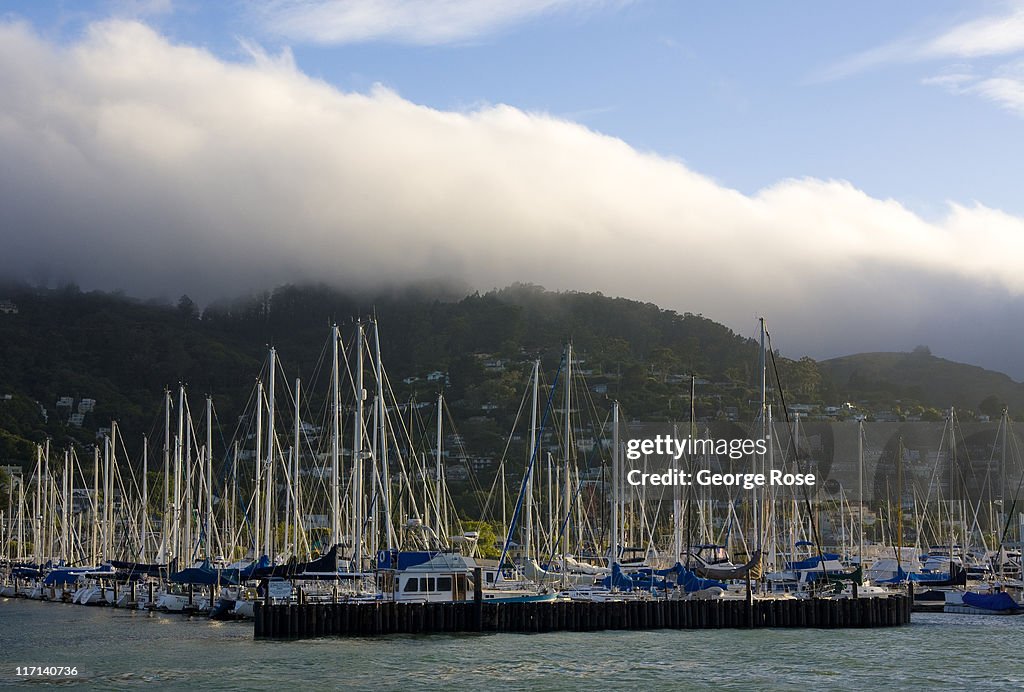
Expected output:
{"points": [[846, 155]]}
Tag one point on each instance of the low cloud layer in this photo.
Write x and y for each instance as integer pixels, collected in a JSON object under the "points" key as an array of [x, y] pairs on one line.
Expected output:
{"points": [[134, 163]]}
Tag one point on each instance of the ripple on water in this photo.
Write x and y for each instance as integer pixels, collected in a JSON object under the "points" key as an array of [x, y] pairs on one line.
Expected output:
{"points": [[130, 650]]}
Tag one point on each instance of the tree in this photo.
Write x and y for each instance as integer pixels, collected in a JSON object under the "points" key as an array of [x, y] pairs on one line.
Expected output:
{"points": [[992, 406], [188, 309]]}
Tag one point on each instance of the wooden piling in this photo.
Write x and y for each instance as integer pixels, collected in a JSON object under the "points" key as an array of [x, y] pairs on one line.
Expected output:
{"points": [[285, 621]]}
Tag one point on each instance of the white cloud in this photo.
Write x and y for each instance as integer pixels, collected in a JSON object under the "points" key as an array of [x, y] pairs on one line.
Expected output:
{"points": [[427, 22], [131, 162], [996, 35], [999, 34], [1007, 92]]}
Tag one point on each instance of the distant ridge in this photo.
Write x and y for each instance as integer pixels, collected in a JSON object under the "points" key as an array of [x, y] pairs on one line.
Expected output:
{"points": [[926, 378]]}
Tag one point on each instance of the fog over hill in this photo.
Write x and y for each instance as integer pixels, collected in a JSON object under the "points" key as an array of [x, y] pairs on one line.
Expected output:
{"points": [[134, 162]]}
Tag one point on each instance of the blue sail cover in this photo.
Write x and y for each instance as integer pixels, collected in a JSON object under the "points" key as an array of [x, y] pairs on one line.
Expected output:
{"points": [[137, 570], [248, 572], [691, 582], [959, 578], [643, 579], [325, 565], [811, 562], [63, 577], [205, 575], [618, 580], [994, 601], [688, 579]]}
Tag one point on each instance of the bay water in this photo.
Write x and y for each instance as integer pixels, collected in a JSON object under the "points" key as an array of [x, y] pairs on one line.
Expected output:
{"points": [[119, 649]]}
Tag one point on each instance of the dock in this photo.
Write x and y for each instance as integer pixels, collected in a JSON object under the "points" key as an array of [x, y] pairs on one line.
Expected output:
{"points": [[377, 618]]}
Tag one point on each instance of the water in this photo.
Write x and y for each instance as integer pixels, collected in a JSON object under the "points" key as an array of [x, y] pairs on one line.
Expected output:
{"points": [[116, 649]]}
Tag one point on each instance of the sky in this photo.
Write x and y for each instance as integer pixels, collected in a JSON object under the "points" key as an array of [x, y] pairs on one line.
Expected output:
{"points": [[850, 171]]}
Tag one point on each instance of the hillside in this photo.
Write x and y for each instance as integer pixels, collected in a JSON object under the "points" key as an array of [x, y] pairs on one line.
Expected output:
{"points": [[923, 378], [123, 352]]}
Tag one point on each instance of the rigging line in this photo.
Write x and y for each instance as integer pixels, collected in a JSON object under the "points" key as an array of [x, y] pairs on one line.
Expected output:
{"points": [[504, 454], [529, 468], [1016, 494], [796, 458]]}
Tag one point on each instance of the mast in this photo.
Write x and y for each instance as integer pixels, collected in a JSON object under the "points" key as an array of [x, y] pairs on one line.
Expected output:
{"points": [[335, 413], [256, 534], [65, 511], [145, 499], [176, 525], [164, 547], [528, 507], [229, 520], [860, 490], [1002, 492], [613, 544], [108, 495], [37, 544], [357, 457], [268, 542], [952, 486], [295, 470], [209, 478], [48, 502], [188, 546], [94, 555], [385, 477], [439, 474], [899, 504], [567, 492], [763, 371]]}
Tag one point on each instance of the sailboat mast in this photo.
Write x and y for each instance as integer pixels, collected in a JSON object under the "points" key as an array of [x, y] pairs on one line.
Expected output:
{"points": [[860, 491], [176, 525], [258, 506], [613, 543], [37, 544], [335, 412], [763, 371], [268, 543], [209, 478], [144, 515], [65, 512], [385, 477], [528, 506], [439, 472], [93, 550], [296, 485], [357, 456], [108, 495], [567, 492], [164, 547]]}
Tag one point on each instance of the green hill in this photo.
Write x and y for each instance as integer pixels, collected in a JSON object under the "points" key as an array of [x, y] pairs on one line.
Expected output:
{"points": [[123, 352], [925, 379]]}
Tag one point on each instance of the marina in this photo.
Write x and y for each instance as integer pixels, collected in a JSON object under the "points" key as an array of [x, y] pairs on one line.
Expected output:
{"points": [[321, 541]]}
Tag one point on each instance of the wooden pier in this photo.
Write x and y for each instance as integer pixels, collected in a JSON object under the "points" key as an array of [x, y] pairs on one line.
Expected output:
{"points": [[364, 619]]}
